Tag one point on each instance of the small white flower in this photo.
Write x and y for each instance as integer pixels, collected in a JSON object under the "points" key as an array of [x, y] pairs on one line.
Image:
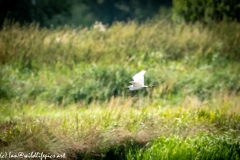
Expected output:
{"points": [[100, 26], [58, 39]]}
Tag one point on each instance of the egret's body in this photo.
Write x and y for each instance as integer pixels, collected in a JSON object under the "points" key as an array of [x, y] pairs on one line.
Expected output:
{"points": [[138, 81]]}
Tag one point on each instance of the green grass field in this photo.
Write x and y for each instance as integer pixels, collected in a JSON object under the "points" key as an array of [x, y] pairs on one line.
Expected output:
{"points": [[63, 91]]}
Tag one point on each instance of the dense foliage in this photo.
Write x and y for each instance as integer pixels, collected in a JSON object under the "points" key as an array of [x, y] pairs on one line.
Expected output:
{"points": [[206, 10]]}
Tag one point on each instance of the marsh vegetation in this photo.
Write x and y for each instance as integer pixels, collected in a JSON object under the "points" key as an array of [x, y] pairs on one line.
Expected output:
{"points": [[62, 90]]}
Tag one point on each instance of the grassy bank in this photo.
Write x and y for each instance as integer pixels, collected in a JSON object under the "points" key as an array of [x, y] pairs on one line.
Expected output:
{"points": [[62, 91], [117, 129]]}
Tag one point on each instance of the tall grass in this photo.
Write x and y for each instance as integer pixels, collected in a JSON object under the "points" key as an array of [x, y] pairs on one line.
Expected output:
{"points": [[203, 146], [96, 131], [176, 56], [151, 41], [62, 91]]}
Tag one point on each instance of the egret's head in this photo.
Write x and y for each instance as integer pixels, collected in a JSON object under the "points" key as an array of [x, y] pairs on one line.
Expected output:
{"points": [[151, 86]]}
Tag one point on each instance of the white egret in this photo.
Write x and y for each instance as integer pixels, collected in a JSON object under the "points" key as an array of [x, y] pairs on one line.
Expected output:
{"points": [[138, 81]]}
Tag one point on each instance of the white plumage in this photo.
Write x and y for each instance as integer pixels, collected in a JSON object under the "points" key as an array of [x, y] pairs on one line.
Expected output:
{"points": [[138, 81]]}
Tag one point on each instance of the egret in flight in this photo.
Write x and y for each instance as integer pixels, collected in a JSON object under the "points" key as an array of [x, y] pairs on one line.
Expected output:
{"points": [[138, 81]]}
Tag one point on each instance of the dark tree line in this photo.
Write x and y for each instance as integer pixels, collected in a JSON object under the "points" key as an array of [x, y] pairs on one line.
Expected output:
{"points": [[121, 10], [32, 10], [86, 12], [107, 11]]}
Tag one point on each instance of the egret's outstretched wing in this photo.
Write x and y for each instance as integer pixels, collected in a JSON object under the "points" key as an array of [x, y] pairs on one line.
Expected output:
{"points": [[137, 84], [139, 77]]}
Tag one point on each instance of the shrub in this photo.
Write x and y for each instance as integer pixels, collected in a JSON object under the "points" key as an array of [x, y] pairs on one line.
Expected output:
{"points": [[206, 10]]}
